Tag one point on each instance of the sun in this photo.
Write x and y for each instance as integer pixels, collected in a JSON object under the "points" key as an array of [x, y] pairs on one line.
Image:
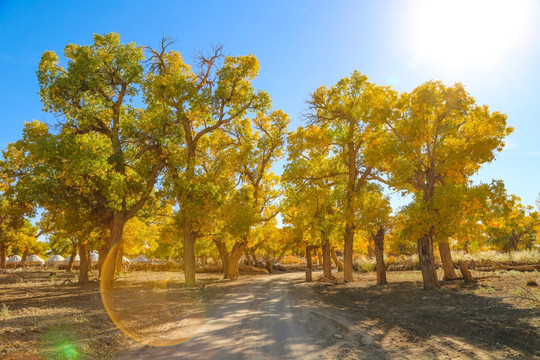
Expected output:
{"points": [[461, 34]]}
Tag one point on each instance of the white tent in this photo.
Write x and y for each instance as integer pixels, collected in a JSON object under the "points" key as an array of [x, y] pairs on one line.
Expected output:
{"points": [[94, 257], [140, 259], [34, 259], [14, 259], [76, 261], [125, 260], [55, 260]]}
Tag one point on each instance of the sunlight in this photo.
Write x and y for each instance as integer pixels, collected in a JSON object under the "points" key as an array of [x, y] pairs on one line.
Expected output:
{"points": [[464, 34]]}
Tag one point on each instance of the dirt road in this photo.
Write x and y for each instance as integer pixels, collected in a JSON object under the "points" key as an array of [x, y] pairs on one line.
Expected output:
{"points": [[269, 317], [283, 317], [258, 318]]}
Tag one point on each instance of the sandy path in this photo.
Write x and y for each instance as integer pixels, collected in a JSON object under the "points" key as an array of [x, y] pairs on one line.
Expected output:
{"points": [[257, 318]]}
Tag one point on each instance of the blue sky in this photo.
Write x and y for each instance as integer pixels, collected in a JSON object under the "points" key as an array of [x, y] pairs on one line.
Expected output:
{"points": [[493, 47]]}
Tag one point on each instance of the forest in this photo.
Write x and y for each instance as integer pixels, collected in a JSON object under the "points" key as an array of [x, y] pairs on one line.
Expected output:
{"points": [[187, 162]]}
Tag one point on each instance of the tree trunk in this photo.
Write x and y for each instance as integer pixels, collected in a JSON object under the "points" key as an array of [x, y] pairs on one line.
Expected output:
{"points": [[223, 254], [255, 260], [83, 268], [102, 255], [309, 267], [89, 257], [319, 258], [25, 254], [465, 247], [119, 257], [269, 265], [203, 261], [427, 262], [464, 268], [352, 173], [446, 259], [370, 250], [327, 262], [338, 264], [378, 239], [514, 239], [109, 267], [72, 256], [231, 271], [3, 249], [249, 260], [348, 250], [189, 252]]}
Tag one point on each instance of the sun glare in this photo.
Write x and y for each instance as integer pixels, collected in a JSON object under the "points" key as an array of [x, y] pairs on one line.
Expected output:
{"points": [[464, 34]]}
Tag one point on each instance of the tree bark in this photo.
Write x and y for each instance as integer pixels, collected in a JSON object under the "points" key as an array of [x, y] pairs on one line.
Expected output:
{"points": [[249, 260], [269, 265], [83, 268], [514, 239], [189, 252], [427, 262], [72, 256], [370, 249], [223, 254], [327, 262], [3, 249], [25, 254], [446, 259], [464, 268], [109, 267], [338, 264], [352, 173], [89, 257], [119, 256], [102, 255], [348, 243], [309, 267], [378, 239], [319, 258], [231, 271]]}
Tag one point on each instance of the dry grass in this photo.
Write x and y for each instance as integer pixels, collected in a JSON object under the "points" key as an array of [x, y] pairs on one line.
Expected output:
{"points": [[44, 316]]}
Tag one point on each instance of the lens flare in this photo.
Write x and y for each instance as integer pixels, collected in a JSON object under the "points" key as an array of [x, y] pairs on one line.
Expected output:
{"points": [[155, 309], [59, 342], [66, 350]]}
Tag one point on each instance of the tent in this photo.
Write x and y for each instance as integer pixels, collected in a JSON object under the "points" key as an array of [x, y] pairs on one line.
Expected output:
{"points": [[94, 257], [55, 260], [34, 259], [14, 259], [76, 261], [125, 260], [140, 259]]}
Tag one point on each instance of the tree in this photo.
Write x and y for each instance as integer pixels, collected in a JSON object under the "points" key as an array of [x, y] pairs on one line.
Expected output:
{"points": [[348, 109], [374, 216], [509, 222], [259, 149], [313, 189], [196, 103], [94, 100], [14, 206], [11, 222], [435, 136]]}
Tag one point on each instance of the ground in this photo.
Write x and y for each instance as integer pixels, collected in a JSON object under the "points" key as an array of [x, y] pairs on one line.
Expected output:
{"points": [[150, 315]]}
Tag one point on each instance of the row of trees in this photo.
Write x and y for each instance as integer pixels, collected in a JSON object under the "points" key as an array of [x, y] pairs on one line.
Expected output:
{"points": [[426, 143], [144, 138]]}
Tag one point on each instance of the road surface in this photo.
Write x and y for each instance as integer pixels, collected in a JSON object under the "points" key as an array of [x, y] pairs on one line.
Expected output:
{"points": [[263, 317]]}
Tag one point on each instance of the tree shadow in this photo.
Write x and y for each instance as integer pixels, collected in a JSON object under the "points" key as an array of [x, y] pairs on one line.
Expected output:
{"points": [[446, 321]]}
